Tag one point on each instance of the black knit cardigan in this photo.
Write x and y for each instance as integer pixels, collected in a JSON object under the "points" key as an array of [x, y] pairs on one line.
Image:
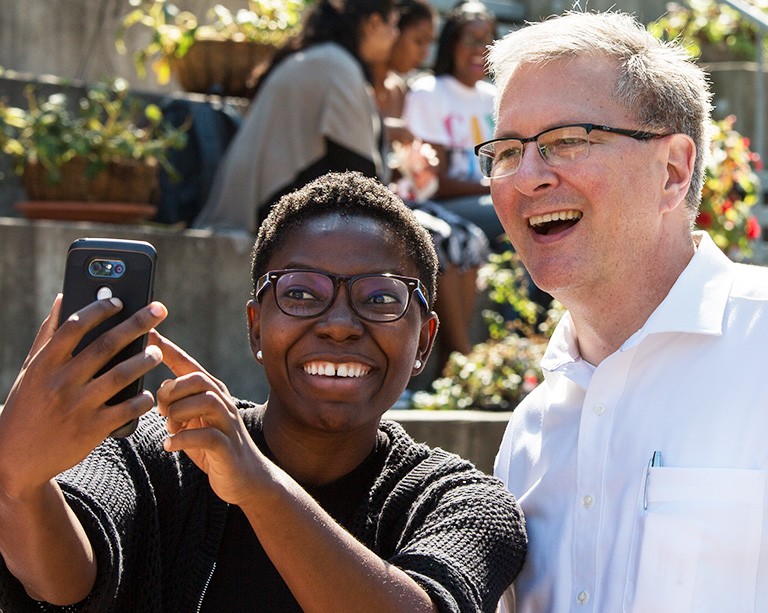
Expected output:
{"points": [[155, 524]]}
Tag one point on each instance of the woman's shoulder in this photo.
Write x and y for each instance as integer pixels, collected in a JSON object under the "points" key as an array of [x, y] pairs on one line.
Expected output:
{"points": [[425, 82], [313, 68], [486, 88], [328, 57]]}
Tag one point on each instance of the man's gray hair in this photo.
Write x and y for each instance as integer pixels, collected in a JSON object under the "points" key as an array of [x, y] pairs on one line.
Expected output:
{"points": [[659, 81]]}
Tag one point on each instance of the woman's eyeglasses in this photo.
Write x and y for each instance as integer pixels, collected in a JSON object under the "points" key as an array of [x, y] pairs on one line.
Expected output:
{"points": [[309, 293], [501, 157]]}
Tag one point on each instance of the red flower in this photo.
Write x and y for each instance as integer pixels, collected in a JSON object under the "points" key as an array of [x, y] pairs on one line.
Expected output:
{"points": [[753, 228], [704, 220]]}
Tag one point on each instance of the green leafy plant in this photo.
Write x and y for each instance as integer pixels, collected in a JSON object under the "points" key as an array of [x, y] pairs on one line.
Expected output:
{"points": [[108, 126], [499, 373], [706, 24], [731, 189], [173, 31]]}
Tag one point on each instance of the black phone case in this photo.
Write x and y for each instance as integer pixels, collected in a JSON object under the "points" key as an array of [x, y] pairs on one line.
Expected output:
{"points": [[134, 288]]}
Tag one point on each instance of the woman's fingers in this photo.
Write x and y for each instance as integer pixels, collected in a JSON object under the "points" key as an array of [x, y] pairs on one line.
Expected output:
{"points": [[46, 330], [175, 358], [180, 362], [110, 418], [105, 347], [195, 400], [106, 385]]}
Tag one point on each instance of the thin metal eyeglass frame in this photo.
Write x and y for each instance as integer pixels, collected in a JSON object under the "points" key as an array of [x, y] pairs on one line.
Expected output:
{"points": [[589, 127], [270, 278]]}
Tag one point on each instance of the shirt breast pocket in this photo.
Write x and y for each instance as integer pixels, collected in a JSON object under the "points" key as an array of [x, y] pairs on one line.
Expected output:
{"points": [[699, 539]]}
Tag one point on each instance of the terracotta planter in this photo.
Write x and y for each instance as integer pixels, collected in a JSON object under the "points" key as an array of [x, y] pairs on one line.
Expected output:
{"points": [[106, 212], [116, 183], [220, 66], [121, 193]]}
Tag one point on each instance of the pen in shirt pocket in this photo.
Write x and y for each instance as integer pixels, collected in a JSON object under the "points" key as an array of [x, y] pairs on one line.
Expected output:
{"points": [[654, 462]]}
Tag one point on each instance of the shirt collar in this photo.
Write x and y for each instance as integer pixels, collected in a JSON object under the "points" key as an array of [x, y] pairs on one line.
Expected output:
{"points": [[695, 304]]}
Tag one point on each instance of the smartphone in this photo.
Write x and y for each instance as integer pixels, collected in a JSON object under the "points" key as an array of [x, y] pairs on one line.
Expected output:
{"points": [[98, 268]]}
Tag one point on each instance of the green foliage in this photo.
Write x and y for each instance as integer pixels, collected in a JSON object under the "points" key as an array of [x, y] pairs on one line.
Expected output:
{"points": [[173, 31], [497, 374], [108, 126], [706, 23]]}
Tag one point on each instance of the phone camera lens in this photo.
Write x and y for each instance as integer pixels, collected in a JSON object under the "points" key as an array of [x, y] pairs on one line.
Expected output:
{"points": [[119, 268], [95, 268]]}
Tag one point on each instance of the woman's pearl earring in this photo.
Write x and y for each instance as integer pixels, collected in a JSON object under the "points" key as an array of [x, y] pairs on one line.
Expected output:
{"points": [[259, 356], [417, 364]]}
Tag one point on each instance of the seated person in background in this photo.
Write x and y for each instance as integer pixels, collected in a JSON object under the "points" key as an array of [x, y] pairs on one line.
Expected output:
{"points": [[308, 502], [312, 112], [461, 245], [409, 52], [452, 110]]}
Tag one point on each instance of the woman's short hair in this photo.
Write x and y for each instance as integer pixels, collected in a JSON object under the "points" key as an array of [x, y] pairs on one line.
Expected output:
{"points": [[349, 194]]}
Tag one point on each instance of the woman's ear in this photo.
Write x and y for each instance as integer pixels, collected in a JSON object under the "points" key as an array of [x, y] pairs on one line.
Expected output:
{"points": [[426, 341], [253, 310], [681, 158]]}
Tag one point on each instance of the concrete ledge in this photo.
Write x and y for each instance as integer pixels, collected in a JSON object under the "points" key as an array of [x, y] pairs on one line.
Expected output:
{"points": [[474, 435]]}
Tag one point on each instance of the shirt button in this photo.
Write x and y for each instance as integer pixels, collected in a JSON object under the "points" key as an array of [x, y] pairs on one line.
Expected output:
{"points": [[582, 598], [587, 501], [598, 409]]}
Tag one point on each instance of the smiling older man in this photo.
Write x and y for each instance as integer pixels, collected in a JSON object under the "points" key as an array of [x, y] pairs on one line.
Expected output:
{"points": [[640, 461]]}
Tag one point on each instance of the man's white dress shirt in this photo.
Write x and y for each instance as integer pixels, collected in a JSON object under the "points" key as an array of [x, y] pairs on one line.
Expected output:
{"points": [[609, 533]]}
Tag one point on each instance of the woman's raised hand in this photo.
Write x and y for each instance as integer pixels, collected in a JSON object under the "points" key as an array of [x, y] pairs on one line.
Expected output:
{"points": [[204, 423], [55, 414]]}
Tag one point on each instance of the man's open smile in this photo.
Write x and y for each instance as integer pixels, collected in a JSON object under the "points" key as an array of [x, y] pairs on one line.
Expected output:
{"points": [[551, 223]]}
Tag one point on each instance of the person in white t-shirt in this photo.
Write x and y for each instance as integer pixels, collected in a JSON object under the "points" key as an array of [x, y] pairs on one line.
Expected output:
{"points": [[641, 461], [462, 247], [452, 110]]}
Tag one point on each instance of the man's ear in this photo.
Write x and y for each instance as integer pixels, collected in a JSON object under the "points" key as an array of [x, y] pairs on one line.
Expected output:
{"points": [[681, 158], [426, 341], [253, 310]]}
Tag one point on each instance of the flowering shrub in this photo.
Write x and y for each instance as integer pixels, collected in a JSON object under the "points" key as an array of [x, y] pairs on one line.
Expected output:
{"points": [[496, 375], [731, 186], [731, 189]]}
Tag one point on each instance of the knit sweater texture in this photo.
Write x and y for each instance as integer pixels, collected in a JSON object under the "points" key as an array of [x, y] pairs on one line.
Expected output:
{"points": [[155, 524]]}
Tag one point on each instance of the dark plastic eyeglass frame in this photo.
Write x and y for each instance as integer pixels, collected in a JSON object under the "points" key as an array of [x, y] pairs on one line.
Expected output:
{"points": [[589, 127], [270, 278]]}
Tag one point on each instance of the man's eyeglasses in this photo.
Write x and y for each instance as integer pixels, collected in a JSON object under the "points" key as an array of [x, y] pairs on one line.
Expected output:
{"points": [[309, 293], [501, 157]]}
